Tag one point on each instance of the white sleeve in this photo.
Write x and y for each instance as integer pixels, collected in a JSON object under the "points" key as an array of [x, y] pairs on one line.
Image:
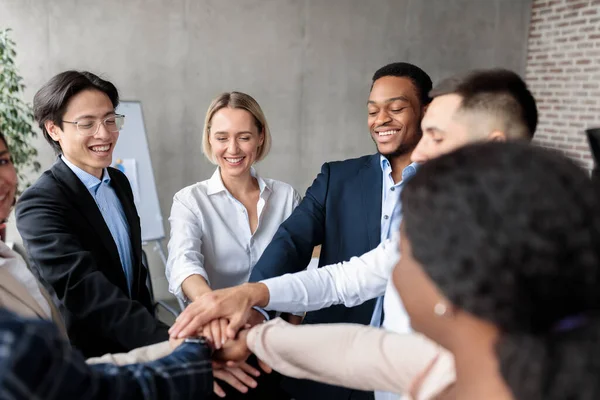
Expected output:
{"points": [[350, 282], [297, 199], [185, 258]]}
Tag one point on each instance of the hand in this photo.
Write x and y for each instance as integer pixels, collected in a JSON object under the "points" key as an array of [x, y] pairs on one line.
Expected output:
{"points": [[235, 350], [261, 364], [264, 366], [214, 332], [174, 343], [233, 304], [238, 377]]}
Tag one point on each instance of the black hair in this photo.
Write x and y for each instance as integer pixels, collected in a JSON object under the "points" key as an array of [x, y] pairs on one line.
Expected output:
{"points": [[421, 81], [3, 139], [498, 91], [51, 101], [511, 234]]}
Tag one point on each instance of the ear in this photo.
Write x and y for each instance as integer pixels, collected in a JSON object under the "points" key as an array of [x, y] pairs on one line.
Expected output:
{"points": [[261, 137], [424, 110], [52, 129], [497, 136]]}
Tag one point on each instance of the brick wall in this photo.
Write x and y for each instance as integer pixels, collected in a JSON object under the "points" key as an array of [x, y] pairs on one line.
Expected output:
{"points": [[563, 71]]}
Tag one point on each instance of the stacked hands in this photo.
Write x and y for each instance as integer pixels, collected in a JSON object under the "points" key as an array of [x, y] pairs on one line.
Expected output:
{"points": [[224, 317]]}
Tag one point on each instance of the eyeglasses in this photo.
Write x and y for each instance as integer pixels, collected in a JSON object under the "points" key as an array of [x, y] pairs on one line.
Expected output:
{"points": [[89, 127]]}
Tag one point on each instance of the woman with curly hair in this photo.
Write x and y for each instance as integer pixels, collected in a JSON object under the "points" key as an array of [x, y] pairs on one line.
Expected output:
{"points": [[500, 265]]}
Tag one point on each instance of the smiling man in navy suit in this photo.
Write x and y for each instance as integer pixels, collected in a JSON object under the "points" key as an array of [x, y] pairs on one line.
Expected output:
{"points": [[353, 205]]}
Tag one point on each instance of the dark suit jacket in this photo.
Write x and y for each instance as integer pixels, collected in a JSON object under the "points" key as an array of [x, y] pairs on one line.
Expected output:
{"points": [[342, 212], [71, 247]]}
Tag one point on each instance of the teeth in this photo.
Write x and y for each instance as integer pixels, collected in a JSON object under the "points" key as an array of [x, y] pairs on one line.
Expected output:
{"points": [[387, 133], [233, 160], [101, 148]]}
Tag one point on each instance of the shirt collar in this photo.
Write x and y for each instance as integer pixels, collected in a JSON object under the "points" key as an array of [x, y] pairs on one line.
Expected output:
{"points": [[408, 172], [89, 180], [385, 164], [215, 183]]}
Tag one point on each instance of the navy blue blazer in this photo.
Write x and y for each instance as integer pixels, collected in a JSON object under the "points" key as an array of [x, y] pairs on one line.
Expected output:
{"points": [[341, 211]]}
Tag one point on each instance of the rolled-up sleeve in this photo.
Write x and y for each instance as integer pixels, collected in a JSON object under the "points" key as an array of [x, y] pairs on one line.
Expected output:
{"points": [[185, 245]]}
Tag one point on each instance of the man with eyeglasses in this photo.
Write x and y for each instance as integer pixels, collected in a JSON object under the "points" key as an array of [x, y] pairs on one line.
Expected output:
{"points": [[79, 222]]}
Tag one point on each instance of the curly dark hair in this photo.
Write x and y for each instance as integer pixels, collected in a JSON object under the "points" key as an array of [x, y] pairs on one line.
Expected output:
{"points": [[511, 233], [421, 81]]}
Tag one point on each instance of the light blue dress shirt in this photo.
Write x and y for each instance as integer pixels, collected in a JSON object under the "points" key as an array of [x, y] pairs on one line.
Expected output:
{"points": [[391, 214], [112, 211]]}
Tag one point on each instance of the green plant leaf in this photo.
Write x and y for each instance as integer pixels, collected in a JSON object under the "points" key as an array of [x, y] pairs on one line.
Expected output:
{"points": [[16, 116]]}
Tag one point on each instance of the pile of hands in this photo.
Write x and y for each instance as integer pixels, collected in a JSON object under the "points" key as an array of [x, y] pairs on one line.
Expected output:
{"points": [[224, 318]]}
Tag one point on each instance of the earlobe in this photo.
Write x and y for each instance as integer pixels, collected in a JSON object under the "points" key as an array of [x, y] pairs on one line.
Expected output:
{"points": [[497, 136], [51, 129]]}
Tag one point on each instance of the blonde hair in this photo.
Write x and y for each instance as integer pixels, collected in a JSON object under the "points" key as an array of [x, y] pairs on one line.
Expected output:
{"points": [[240, 101]]}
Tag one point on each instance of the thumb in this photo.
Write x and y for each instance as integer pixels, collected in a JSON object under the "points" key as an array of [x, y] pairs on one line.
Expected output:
{"points": [[235, 324]]}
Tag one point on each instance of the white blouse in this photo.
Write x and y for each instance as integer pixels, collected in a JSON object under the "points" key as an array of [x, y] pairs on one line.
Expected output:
{"points": [[210, 231]]}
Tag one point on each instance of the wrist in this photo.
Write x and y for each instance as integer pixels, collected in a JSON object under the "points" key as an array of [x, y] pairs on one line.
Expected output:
{"points": [[259, 294], [195, 286], [263, 314]]}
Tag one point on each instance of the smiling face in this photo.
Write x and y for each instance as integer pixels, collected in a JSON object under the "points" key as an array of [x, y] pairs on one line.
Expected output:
{"points": [[8, 182], [234, 140], [394, 115], [90, 153]]}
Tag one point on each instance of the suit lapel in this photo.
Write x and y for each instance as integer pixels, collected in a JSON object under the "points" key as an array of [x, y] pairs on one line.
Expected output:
{"points": [[371, 181], [135, 234], [84, 201]]}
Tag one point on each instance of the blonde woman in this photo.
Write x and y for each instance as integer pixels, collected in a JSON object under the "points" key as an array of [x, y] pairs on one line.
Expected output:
{"points": [[221, 226]]}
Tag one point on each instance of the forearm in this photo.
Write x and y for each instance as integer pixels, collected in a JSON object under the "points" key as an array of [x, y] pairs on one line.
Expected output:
{"points": [[184, 374], [350, 282], [139, 355], [378, 360], [195, 286]]}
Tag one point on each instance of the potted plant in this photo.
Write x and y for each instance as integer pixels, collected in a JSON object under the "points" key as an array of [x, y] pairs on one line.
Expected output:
{"points": [[16, 116]]}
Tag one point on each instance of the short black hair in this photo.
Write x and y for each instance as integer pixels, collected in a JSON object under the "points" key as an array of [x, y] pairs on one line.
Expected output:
{"points": [[498, 91], [510, 233], [50, 102], [421, 81]]}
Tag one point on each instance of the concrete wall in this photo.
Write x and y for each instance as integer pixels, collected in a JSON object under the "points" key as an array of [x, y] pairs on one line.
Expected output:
{"points": [[307, 62]]}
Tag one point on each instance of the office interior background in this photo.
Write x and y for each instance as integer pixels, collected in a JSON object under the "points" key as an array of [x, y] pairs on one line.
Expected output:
{"points": [[309, 65]]}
